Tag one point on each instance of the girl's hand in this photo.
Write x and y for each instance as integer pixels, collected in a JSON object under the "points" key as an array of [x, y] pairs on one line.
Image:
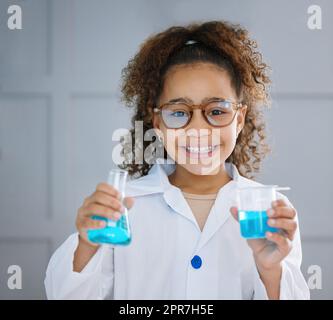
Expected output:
{"points": [[270, 252], [105, 202]]}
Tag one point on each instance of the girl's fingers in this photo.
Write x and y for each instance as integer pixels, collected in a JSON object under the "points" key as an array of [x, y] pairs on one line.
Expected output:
{"points": [[98, 210], [281, 212], [104, 199], [128, 202], [234, 212], [104, 187], [283, 243], [89, 223], [289, 225], [279, 203]]}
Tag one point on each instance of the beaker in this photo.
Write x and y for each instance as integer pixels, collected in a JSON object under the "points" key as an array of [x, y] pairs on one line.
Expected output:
{"points": [[253, 203], [115, 232]]}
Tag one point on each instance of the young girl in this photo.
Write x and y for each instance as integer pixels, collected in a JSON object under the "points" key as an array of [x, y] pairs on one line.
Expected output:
{"points": [[201, 89]]}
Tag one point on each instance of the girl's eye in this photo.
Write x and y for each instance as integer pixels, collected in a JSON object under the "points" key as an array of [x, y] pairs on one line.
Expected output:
{"points": [[217, 112], [178, 113]]}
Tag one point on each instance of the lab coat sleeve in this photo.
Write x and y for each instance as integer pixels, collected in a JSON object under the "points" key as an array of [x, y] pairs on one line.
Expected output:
{"points": [[95, 281], [292, 285]]}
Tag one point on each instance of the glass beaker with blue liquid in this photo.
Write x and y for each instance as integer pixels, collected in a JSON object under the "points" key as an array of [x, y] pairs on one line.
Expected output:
{"points": [[253, 203], [115, 232]]}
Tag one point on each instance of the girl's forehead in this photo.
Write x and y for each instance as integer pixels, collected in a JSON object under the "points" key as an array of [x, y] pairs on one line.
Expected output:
{"points": [[197, 80], [195, 67]]}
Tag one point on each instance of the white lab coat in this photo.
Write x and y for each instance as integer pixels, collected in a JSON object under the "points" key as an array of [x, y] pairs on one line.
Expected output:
{"points": [[165, 238]]}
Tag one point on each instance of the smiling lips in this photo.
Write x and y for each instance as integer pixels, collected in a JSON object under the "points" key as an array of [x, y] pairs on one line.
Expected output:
{"points": [[194, 152]]}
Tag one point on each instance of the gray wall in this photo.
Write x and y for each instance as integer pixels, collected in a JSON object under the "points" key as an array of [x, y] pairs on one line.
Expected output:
{"points": [[59, 104]]}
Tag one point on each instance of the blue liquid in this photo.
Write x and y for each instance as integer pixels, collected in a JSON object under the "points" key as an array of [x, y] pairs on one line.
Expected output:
{"points": [[253, 224], [116, 232]]}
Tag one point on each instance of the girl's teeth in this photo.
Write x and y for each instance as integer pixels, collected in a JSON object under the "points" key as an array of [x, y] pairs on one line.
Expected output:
{"points": [[200, 150]]}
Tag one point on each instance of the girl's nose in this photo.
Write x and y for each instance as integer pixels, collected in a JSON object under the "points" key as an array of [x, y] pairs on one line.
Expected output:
{"points": [[198, 121]]}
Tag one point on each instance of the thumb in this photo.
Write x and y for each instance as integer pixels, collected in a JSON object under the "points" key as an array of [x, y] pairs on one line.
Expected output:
{"points": [[128, 202], [234, 212]]}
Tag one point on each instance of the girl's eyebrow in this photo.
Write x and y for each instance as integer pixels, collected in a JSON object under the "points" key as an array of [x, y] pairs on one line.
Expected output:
{"points": [[180, 100], [186, 99]]}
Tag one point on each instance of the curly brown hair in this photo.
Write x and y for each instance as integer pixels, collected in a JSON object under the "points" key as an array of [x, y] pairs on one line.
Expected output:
{"points": [[219, 42]]}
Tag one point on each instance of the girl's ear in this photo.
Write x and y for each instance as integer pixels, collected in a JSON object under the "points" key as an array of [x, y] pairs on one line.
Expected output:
{"points": [[156, 126], [241, 118], [156, 122]]}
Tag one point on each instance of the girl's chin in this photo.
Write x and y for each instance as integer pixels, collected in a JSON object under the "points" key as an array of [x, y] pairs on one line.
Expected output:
{"points": [[200, 170], [203, 167]]}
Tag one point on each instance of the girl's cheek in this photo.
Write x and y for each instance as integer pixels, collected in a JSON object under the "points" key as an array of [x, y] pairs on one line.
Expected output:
{"points": [[228, 141]]}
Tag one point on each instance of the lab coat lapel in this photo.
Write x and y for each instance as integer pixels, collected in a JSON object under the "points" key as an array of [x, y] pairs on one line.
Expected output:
{"points": [[173, 195], [220, 212], [157, 181], [176, 201], [148, 184], [226, 197]]}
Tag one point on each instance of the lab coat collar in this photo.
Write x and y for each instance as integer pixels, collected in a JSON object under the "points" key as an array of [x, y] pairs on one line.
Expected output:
{"points": [[156, 181]]}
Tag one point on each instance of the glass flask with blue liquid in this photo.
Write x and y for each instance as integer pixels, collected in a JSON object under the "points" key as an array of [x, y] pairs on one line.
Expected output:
{"points": [[115, 232], [253, 203]]}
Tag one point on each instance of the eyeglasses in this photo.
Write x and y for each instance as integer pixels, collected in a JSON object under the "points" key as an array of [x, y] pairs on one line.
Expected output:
{"points": [[217, 112]]}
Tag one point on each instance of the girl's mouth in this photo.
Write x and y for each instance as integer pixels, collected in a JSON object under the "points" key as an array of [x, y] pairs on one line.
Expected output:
{"points": [[203, 152]]}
